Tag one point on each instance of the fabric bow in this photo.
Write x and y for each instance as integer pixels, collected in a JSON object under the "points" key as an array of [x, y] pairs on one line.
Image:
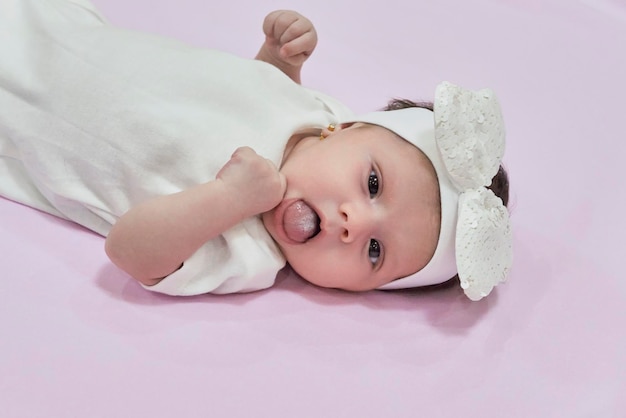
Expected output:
{"points": [[469, 131]]}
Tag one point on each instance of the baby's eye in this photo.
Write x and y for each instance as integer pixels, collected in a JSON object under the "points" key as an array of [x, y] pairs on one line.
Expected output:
{"points": [[374, 251], [372, 183]]}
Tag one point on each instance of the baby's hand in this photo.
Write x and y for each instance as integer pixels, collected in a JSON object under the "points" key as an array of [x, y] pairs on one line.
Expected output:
{"points": [[290, 39], [290, 36], [256, 181]]}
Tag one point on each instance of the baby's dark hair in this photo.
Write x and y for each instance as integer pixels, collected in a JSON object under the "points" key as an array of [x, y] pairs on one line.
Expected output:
{"points": [[499, 184]]}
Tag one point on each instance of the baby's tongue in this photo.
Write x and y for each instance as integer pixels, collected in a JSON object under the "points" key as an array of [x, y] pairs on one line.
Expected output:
{"points": [[300, 221]]}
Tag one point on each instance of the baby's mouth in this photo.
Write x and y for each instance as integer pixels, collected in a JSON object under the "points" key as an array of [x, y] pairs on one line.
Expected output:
{"points": [[300, 222]]}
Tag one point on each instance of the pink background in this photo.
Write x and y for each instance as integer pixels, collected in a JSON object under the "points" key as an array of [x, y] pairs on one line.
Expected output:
{"points": [[79, 338]]}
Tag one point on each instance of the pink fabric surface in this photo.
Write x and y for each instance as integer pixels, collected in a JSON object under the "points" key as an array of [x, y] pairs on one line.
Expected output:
{"points": [[79, 338]]}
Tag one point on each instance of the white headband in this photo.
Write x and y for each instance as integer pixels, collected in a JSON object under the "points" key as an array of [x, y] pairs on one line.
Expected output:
{"points": [[465, 144]]}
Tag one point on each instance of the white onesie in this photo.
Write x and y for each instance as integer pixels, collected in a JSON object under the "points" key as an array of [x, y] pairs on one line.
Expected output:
{"points": [[95, 119]]}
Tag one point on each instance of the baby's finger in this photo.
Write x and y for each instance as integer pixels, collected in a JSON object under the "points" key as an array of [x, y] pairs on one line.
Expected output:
{"points": [[277, 23], [302, 44], [243, 152], [268, 22], [299, 48], [291, 29]]}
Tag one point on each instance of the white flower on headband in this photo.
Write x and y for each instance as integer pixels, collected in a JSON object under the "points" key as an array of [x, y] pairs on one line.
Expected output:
{"points": [[469, 131]]}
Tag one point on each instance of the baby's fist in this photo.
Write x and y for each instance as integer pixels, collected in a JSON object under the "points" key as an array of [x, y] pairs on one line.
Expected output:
{"points": [[255, 180], [290, 37]]}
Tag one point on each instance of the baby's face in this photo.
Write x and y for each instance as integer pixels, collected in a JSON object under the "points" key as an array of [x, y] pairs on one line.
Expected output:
{"points": [[361, 209]]}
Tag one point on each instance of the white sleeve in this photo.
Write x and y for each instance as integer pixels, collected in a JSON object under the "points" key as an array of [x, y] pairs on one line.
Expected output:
{"points": [[243, 259]]}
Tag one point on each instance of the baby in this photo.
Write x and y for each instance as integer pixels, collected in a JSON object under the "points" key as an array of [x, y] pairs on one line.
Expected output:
{"points": [[207, 173]]}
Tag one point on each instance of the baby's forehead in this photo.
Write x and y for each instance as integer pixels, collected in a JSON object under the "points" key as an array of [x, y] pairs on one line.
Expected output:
{"points": [[391, 134]]}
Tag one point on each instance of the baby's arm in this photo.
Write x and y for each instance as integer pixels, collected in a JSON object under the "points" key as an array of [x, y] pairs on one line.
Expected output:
{"points": [[290, 39], [153, 239]]}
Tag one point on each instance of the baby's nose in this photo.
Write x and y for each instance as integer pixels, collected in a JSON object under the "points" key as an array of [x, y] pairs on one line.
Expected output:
{"points": [[355, 222]]}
